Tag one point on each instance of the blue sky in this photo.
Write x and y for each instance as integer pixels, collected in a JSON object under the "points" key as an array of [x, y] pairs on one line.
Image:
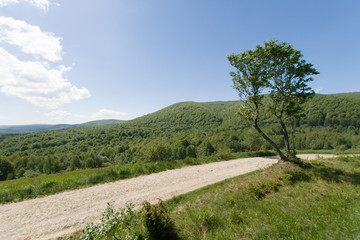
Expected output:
{"points": [[69, 61]]}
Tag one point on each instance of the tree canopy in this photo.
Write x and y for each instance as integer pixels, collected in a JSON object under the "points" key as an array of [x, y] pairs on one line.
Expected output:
{"points": [[279, 69]]}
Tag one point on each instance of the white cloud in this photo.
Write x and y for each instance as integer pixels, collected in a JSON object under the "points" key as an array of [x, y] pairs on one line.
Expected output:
{"points": [[108, 114], [7, 2], [30, 39], [43, 4], [36, 82], [57, 114], [319, 89]]}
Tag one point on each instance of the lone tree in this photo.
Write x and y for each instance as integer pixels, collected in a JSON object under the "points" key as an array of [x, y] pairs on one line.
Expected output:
{"points": [[279, 70]]}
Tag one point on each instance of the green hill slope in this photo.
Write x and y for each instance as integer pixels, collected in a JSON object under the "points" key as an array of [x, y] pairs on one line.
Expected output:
{"points": [[187, 129], [332, 111], [99, 123], [180, 117], [352, 95]]}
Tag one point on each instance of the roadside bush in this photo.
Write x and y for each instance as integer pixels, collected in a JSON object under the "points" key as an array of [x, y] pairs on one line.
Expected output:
{"points": [[260, 189], [114, 225], [160, 152], [157, 221], [128, 224], [31, 173]]}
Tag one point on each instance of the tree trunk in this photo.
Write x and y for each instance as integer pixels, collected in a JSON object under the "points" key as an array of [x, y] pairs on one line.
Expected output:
{"points": [[282, 156], [286, 136], [293, 154]]}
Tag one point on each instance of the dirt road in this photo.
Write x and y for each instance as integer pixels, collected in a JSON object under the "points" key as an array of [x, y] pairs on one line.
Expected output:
{"points": [[64, 213]]}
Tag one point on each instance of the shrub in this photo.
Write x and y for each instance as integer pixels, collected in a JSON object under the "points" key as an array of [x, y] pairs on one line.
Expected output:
{"points": [[260, 189], [114, 225], [94, 179], [5, 169], [31, 173], [157, 221], [317, 163], [287, 178]]}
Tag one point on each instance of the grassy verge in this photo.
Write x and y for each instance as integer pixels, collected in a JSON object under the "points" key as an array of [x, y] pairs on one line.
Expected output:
{"points": [[19, 189], [317, 200], [329, 151]]}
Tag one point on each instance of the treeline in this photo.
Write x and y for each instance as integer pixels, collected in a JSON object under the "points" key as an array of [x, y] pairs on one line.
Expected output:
{"points": [[183, 130]]}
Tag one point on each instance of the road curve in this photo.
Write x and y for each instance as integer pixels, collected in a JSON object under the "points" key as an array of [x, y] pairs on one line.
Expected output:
{"points": [[64, 213]]}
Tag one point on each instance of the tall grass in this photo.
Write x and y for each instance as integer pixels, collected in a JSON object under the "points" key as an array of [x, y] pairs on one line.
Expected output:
{"points": [[285, 201], [329, 151], [19, 189]]}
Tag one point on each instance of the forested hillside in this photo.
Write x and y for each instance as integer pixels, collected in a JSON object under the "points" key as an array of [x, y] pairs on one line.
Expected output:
{"points": [[352, 95], [181, 130]]}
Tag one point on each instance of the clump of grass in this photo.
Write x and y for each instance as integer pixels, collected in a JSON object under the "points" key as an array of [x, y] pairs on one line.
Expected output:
{"points": [[317, 163], [261, 189]]}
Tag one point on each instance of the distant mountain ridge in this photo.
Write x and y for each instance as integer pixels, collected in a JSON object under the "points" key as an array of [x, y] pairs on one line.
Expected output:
{"points": [[22, 129]]}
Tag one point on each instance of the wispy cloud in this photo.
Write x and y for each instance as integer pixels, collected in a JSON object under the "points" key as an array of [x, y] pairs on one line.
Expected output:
{"points": [[30, 39], [108, 114], [42, 4], [4, 3], [318, 90], [57, 115]]}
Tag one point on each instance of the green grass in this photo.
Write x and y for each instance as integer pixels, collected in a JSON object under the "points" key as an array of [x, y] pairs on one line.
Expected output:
{"points": [[329, 151], [19, 189], [285, 201]]}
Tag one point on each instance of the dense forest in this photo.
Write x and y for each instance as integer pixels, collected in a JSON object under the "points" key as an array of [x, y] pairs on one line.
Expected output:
{"points": [[182, 130]]}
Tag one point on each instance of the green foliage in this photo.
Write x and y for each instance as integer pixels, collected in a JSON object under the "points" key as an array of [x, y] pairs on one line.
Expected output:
{"points": [[159, 152], [260, 189], [350, 95], [6, 170], [276, 66], [194, 130], [114, 224], [308, 202], [317, 163], [332, 111], [152, 222], [157, 221]]}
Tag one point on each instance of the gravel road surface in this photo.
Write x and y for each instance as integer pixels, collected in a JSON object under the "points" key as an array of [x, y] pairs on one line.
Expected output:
{"points": [[64, 213]]}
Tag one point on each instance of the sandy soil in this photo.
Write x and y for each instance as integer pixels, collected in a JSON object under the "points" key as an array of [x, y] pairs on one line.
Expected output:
{"points": [[64, 213]]}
